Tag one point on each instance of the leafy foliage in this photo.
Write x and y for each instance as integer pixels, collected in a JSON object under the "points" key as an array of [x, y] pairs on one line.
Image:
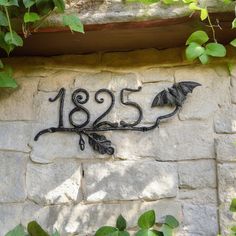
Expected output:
{"points": [[147, 226], [31, 13]]}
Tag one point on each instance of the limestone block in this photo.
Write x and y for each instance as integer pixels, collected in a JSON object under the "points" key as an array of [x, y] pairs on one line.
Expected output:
{"points": [[200, 219], [133, 180], [205, 100], [61, 182], [233, 89], [15, 136], [172, 141], [60, 79], [17, 104], [86, 219], [10, 215], [198, 196], [227, 181], [197, 174], [226, 148], [156, 74], [225, 120], [12, 175]]}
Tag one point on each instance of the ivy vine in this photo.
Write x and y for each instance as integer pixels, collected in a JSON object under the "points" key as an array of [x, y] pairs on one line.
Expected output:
{"points": [[31, 14], [198, 45]]}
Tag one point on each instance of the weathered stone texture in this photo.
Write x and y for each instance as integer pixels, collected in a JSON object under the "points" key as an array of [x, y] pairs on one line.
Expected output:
{"points": [[205, 100], [15, 136], [60, 186], [197, 174], [18, 104], [86, 219], [226, 148], [172, 141], [12, 176], [199, 220], [10, 215], [133, 180], [55, 183], [225, 120]]}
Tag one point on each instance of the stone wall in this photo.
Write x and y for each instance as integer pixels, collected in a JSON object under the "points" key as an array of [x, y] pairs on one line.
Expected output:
{"points": [[185, 168]]}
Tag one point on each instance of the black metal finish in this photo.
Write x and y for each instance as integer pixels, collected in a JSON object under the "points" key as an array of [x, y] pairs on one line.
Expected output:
{"points": [[174, 96]]}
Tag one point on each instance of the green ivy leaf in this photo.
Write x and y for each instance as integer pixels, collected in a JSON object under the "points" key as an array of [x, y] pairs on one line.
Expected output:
{"points": [[148, 232], [3, 19], [168, 2], [167, 230], [6, 47], [204, 58], [232, 207], [74, 23], [31, 17], [204, 13], [147, 219], [105, 231], [8, 3], [19, 229], [121, 223], [234, 24], [233, 43], [60, 4], [56, 233], [199, 37], [193, 6], [215, 50], [29, 3], [194, 50], [35, 229], [13, 39], [171, 221], [189, 1], [123, 233], [44, 6], [233, 228]]}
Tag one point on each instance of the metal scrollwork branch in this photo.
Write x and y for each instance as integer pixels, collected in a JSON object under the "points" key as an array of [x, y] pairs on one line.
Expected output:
{"points": [[174, 96]]}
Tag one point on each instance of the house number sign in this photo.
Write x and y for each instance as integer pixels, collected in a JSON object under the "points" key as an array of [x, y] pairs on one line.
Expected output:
{"points": [[174, 96]]}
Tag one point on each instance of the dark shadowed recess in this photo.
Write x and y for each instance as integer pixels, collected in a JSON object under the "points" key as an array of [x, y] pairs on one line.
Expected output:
{"points": [[124, 36]]}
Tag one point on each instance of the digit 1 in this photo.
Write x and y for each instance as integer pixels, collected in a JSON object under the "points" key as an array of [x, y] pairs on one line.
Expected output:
{"points": [[61, 95]]}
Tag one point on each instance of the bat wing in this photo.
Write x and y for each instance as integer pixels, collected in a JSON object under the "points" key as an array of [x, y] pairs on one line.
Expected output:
{"points": [[187, 86], [176, 95], [163, 98]]}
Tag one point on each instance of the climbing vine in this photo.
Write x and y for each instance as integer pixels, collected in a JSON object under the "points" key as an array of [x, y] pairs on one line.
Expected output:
{"points": [[198, 44], [31, 14]]}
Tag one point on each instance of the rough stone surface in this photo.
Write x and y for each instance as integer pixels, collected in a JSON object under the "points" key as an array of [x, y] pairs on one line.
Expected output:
{"points": [[15, 136], [134, 180], [61, 182], [18, 104], [197, 174], [10, 215], [60, 186], [12, 175], [172, 141], [88, 218], [227, 181], [226, 148], [225, 120], [205, 100], [195, 218], [199, 196]]}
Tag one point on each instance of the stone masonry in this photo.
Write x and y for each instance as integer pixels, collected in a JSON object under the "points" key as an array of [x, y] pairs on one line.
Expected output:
{"points": [[186, 168]]}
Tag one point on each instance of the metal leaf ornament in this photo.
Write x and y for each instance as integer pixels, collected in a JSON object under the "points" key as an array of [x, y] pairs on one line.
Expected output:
{"points": [[176, 95], [100, 144]]}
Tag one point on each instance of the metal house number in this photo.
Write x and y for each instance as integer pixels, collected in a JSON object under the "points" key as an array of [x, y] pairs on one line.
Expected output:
{"points": [[174, 96]]}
